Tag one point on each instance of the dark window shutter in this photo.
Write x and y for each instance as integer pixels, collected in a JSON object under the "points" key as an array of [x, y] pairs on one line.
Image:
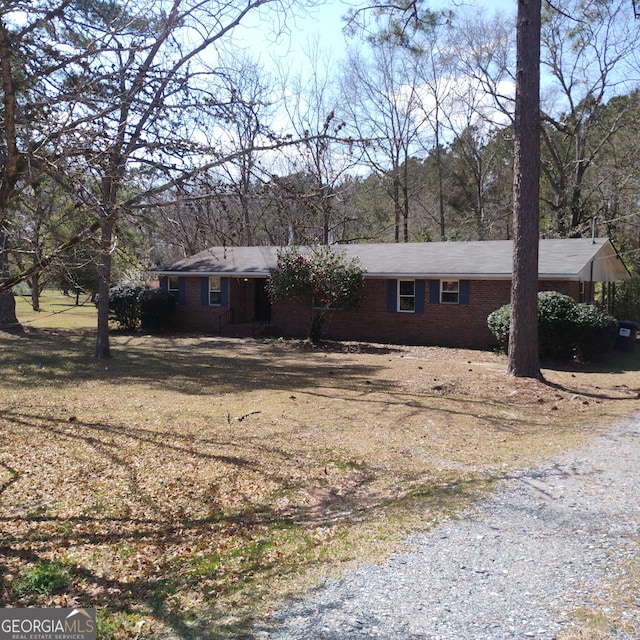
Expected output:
{"points": [[224, 293], [434, 291], [464, 292], [392, 296], [181, 295], [419, 293], [164, 282], [204, 292]]}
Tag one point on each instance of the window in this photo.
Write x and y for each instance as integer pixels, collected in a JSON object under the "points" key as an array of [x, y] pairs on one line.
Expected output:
{"points": [[174, 286], [449, 292], [215, 290], [407, 296], [317, 304]]}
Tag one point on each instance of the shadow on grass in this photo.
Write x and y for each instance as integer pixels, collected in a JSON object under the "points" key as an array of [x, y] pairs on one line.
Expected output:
{"points": [[616, 362], [204, 366], [192, 365], [181, 561], [151, 596]]}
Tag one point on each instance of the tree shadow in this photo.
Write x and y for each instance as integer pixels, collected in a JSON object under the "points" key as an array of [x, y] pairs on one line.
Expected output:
{"points": [[192, 365], [29, 537]]}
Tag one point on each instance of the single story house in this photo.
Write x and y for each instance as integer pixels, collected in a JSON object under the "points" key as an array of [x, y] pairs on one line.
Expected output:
{"points": [[436, 293]]}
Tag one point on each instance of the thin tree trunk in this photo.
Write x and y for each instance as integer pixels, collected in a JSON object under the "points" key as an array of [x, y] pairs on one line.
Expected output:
{"points": [[35, 291], [397, 209], [109, 196], [441, 213], [103, 349], [523, 336]]}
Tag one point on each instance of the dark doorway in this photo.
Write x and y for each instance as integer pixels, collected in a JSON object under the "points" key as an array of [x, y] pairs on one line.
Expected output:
{"points": [[262, 303]]}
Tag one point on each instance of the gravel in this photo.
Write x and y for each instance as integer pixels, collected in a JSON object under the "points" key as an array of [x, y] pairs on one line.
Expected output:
{"points": [[516, 566]]}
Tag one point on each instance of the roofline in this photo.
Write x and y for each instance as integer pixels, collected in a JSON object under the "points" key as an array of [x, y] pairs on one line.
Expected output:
{"points": [[367, 274], [229, 274]]}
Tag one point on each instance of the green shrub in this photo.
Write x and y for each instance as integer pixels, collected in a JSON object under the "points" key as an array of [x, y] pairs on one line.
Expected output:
{"points": [[156, 306], [597, 334], [124, 306], [557, 320], [133, 307], [567, 330], [322, 278], [42, 579], [499, 322]]}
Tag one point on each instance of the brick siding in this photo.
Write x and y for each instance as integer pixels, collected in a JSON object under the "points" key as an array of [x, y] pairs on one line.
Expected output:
{"points": [[452, 325]]}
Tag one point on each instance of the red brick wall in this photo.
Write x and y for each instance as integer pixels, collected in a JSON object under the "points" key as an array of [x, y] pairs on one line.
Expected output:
{"points": [[454, 325], [193, 315]]}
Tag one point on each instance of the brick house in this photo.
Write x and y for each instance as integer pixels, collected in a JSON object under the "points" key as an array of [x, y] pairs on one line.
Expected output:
{"points": [[437, 293]]}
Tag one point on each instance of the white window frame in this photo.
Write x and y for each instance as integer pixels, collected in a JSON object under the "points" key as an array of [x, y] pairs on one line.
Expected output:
{"points": [[215, 291], [406, 297], [447, 294]]}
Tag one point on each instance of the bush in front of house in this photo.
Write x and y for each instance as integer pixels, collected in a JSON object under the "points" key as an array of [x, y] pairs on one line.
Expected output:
{"points": [[567, 330], [124, 307], [133, 307], [499, 322], [156, 306], [597, 333], [557, 322], [320, 279]]}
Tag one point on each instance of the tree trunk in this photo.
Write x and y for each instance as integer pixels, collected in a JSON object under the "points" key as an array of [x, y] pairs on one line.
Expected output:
{"points": [[523, 336], [405, 200], [8, 174], [35, 291], [7, 300], [397, 209], [103, 350], [7, 310]]}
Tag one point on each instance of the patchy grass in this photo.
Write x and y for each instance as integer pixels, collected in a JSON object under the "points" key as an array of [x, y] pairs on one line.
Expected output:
{"points": [[189, 484], [615, 613], [41, 579]]}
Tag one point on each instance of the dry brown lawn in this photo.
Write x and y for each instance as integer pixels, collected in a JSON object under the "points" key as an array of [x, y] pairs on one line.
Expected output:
{"points": [[189, 484]]}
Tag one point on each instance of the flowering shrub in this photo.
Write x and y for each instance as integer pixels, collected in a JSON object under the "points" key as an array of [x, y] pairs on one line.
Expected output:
{"points": [[321, 278]]}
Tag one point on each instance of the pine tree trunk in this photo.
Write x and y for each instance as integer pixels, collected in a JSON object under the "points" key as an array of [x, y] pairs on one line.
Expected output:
{"points": [[523, 336], [7, 300]]}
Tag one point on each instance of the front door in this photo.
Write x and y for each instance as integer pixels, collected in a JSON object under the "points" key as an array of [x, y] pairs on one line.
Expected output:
{"points": [[262, 302]]}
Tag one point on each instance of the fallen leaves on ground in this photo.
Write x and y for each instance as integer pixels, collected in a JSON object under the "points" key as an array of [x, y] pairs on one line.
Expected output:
{"points": [[191, 482]]}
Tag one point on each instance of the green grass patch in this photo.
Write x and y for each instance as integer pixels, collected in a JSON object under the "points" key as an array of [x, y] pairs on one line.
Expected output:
{"points": [[122, 625], [42, 579]]}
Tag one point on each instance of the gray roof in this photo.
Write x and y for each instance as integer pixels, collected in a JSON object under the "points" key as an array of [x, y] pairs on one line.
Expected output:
{"points": [[581, 259]]}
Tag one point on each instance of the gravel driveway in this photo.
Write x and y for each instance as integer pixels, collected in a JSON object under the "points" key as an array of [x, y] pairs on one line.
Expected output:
{"points": [[516, 566]]}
